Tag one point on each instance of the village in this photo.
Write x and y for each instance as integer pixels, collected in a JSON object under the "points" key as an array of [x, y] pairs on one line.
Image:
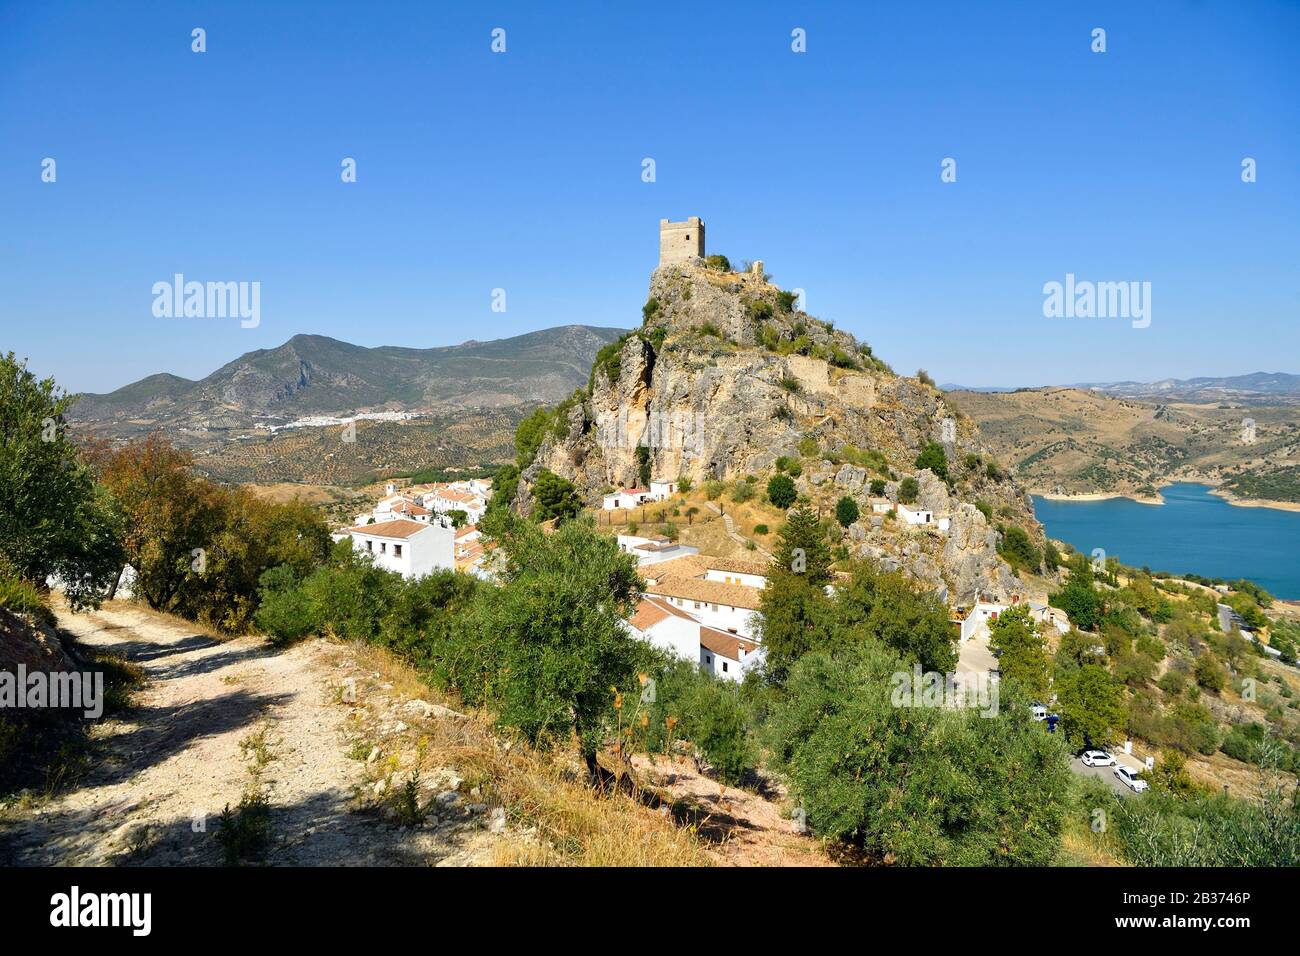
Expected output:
{"points": [[701, 607]]}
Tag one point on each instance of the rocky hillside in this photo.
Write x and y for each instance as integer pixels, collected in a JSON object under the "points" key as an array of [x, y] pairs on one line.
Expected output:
{"points": [[1070, 441], [318, 375], [726, 375]]}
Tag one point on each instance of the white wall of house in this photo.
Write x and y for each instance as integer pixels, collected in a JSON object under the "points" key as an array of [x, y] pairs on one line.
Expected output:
{"points": [[736, 577], [918, 516], [724, 617], [659, 490], [677, 635], [428, 550]]}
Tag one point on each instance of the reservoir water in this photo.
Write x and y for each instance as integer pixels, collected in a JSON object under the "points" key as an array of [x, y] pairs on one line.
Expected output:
{"points": [[1193, 531]]}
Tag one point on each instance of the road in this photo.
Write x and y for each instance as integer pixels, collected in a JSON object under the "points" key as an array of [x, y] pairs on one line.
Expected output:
{"points": [[1103, 773]]}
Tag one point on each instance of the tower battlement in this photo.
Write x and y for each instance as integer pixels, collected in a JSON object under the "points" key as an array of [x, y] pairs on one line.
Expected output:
{"points": [[680, 241]]}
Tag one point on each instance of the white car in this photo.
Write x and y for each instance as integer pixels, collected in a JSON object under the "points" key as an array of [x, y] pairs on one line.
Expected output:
{"points": [[1039, 711], [1097, 758], [1131, 780]]}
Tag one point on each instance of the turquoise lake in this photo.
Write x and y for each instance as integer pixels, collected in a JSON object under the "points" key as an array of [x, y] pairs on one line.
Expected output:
{"points": [[1193, 531]]}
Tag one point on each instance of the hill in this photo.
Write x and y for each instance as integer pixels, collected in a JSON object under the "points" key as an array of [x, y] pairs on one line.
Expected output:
{"points": [[317, 375], [1073, 441], [1266, 388], [727, 381]]}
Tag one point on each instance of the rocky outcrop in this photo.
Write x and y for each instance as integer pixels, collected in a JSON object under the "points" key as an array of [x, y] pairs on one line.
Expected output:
{"points": [[716, 385]]}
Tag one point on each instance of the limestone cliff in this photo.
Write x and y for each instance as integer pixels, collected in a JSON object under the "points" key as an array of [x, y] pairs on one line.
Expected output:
{"points": [[726, 374]]}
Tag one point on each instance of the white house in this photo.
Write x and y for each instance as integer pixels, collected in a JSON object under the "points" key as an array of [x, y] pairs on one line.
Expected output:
{"points": [[727, 607], [976, 623], [669, 628], [626, 498], [915, 516], [662, 490], [880, 506], [728, 655], [752, 574], [411, 548], [653, 550]]}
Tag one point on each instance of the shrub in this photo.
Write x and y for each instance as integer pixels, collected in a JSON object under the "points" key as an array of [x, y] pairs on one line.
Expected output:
{"points": [[760, 529], [935, 458], [718, 263], [924, 378], [791, 384], [1209, 673], [1019, 549], [808, 447], [839, 739], [908, 490], [23, 598], [878, 486], [713, 489], [650, 308], [742, 491], [846, 511], [781, 491], [984, 508]]}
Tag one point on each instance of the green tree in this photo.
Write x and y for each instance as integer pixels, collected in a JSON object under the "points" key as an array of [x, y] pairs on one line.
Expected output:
{"points": [[529, 434], [53, 519], [875, 605], [1091, 703], [780, 491], [1080, 600], [803, 548], [840, 741], [555, 497], [1019, 549], [846, 511], [792, 611], [1015, 639], [1209, 673], [935, 458], [553, 638], [908, 489]]}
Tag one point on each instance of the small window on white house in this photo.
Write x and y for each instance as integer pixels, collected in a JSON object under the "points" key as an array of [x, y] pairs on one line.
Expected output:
{"points": [[708, 659], [383, 547], [370, 546], [397, 550], [697, 605], [724, 667]]}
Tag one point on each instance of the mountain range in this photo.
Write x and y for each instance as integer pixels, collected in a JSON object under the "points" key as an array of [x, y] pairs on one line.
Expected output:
{"points": [[1254, 388], [312, 375]]}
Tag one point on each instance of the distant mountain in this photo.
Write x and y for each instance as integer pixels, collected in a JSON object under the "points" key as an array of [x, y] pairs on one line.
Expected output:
{"points": [[950, 387], [1254, 388], [318, 375]]}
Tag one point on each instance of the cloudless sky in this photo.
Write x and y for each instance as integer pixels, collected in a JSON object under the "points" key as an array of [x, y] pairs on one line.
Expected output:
{"points": [[522, 171]]}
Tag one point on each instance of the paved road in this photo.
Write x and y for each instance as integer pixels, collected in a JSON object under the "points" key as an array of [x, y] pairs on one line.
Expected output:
{"points": [[1102, 773]]}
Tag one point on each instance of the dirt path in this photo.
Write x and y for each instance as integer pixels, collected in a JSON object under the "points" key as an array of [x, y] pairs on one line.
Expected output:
{"points": [[735, 535], [161, 773]]}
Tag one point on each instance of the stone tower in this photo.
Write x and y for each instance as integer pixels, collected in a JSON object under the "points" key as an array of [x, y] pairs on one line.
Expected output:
{"points": [[679, 241]]}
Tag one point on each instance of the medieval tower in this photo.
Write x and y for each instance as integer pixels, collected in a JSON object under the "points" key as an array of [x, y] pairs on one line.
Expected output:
{"points": [[680, 241]]}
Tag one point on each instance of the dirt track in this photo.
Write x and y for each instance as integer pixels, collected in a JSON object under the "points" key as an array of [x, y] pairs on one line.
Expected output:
{"points": [[161, 773]]}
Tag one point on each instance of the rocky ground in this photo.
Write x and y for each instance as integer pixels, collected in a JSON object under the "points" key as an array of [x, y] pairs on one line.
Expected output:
{"points": [[309, 728]]}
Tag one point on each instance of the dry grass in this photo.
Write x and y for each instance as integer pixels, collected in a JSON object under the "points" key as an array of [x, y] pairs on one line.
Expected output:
{"points": [[555, 818]]}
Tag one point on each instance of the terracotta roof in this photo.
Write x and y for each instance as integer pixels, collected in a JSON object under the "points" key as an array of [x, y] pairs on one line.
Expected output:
{"points": [[407, 507], [725, 643], [736, 565], [647, 615], [687, 566], [713, 592], [397, 528]]}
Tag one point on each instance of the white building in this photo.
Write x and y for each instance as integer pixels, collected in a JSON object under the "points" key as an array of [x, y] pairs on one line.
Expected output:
{"points": [[411, 548], [915, 516], [880, 506], [752, 574], [654, 549], [626, 498], [669, 628], [662, 490]]}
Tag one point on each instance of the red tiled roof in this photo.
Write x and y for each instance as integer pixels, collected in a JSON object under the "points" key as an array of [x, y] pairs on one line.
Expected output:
{"points": [[398, 528]]}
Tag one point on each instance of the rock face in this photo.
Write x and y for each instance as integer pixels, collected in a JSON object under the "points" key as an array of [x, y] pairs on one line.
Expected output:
{"points": [[716, 385]]}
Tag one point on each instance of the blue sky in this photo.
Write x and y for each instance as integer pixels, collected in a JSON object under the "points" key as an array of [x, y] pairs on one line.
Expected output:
{"points": [[522, 171]]}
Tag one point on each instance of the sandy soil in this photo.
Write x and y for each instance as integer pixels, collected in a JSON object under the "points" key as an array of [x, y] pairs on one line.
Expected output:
{"points": [[161, 773], [739, 827]]}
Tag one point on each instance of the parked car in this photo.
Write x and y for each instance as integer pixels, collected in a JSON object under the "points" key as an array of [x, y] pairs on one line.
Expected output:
{"points": [[1039, 711], [1131, 780], [1097, 758]]}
